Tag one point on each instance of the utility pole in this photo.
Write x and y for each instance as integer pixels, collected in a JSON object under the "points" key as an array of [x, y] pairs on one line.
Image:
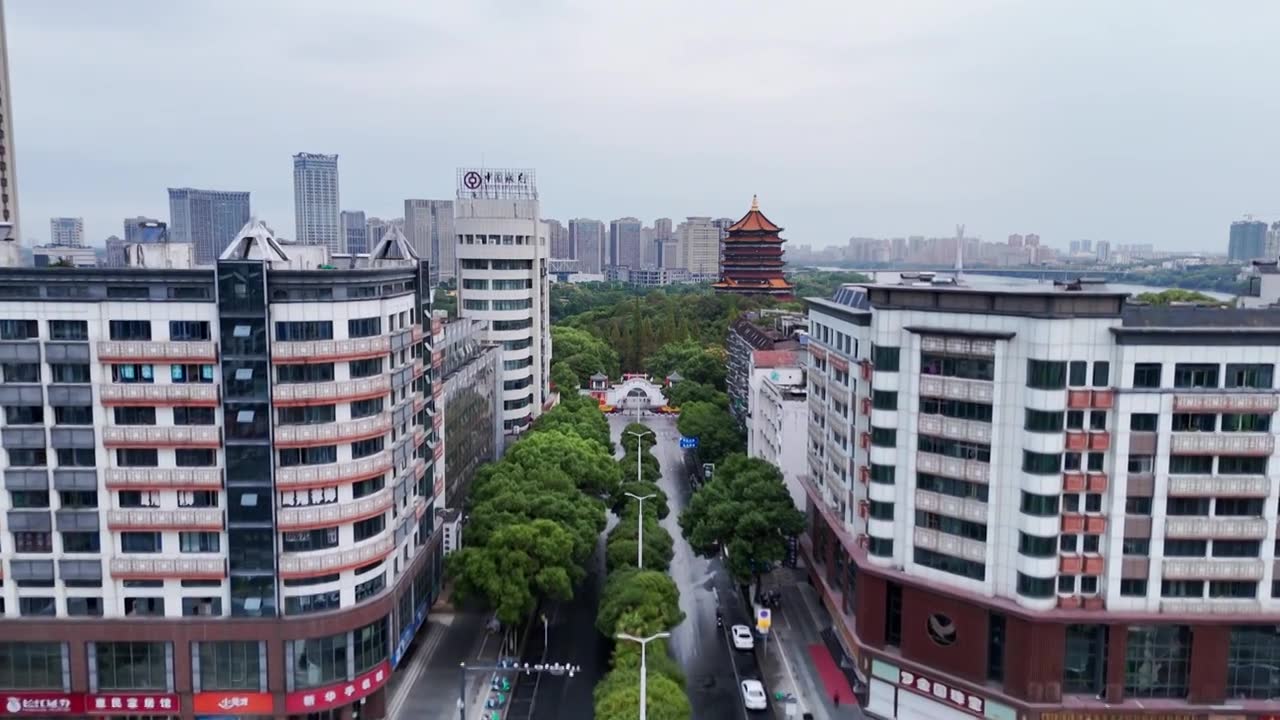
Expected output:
{"points": [[644, 672], [640, 528]]}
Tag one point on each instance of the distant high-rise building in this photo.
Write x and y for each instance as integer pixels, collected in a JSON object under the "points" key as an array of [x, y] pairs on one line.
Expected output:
{"points": [[1248, 241], [1015, 241], [624, 242], [587, 245], [208, 219], [700, 246], [145, 230], [315, 200], [1032, 240], [1273, 241], [724, 224], [428, 225], [8, 169], [115, 257], [558, 239], [663, 229], [1102, 251], [355, 232], [648, 249], [375, 228], [66, 231]]}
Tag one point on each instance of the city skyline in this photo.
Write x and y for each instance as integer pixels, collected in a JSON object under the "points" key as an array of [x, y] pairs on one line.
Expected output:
{"points": [[904, 129]]}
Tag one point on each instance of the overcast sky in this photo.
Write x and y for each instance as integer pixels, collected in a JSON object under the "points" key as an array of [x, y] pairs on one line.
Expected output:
{"points": [[1129, 122]]}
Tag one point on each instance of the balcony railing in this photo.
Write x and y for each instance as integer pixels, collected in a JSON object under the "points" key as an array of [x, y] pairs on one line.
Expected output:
{"points": [[1241, 403], [940, 425], [1224, 528], [1212, 569], [137, 568], [1210, 607], [302, 477], [158, 394], [162, 352], [971, 470], [949, 544], [155, 519], [1195, 443], [956, 388], [317, 516], [148, 436], [329, 350], [1219, 485], [330, 392], [163, 478], [330, 433], [298, 565], [957, 345], [966, 508]]}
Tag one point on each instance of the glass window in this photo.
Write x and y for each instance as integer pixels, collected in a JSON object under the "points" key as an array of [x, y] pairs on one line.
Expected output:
{"points": [[1146, 375], [19, 457], [306, 415], [1078, 369], [76, 457], [1035, 587], [1190, 464], [132, 665], [880, 510], [298, 330], [1238, 507], [1101, 373], [199, 542], [365, 368], [893, 615], [1136, 546], [1195, 375], [1237, 548], [188, 330], [884, 437], [73, 415], [884, 400], [193, 416], [1042, 421], [1137, 506], [68, 330], [1041, 505], [1046, 374], [1248, 422], [1253, 657], [881, 547], [130, 329], [958, 409], [319, 602], [20, 372], [319, 661], [884, 359], [1187, 506], [1157, 661], [32, 666], [1194, 422], [995, 647], [305, 373], [1036, 546], [129, 373], [1144, 422], [1250, 376], [69, 373], [1041, 463], [882, 474], [954, 448], [1237, 465], [364, 327], [365, 408], [134, 415], [1085, 667], [1233, 589], [1185, 548], [230, 665], [1133, 588], [950, 564], [951, 486]]}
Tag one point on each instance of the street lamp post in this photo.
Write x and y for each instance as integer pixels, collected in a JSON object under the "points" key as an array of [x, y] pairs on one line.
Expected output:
{"points": [[644, 679], [640, 527], [639, 436]]}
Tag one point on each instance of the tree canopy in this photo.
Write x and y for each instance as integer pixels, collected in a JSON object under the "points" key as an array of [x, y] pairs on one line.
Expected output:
{"points": [[695, 362], [585, 461], [584, 353], [575, 418], [746, 509], [647, 598], [618, 698], [565, 379], [687, 391], [1177, 295], [714, 427], [520, 564]]}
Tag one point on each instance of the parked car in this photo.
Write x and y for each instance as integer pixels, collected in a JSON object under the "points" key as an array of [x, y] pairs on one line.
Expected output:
{"points": [[742, 637], [753, 696]]}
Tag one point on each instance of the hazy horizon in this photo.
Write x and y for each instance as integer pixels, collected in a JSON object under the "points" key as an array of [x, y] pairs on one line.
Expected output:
{"points": [[1133, 122]]}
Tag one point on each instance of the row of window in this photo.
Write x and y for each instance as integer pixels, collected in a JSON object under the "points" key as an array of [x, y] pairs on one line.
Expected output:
{"points": [[476, 264], [78, 330], [305, 330]]}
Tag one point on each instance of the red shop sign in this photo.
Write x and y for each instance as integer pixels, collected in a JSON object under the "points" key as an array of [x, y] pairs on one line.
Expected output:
{"points": [[337, 695], [234, 703], [19, 704], [114, 703]]}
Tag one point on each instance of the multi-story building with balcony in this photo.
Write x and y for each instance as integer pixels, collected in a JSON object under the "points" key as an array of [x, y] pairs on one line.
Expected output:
{"points": [[1046, 503], [471, 374], [218, 485]]}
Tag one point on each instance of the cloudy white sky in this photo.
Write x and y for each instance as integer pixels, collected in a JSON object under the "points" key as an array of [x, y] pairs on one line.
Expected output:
{"points": [[1128, 122]]}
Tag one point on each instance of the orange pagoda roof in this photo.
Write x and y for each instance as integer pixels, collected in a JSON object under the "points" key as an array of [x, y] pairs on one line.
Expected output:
{"points": [[754, 221]]}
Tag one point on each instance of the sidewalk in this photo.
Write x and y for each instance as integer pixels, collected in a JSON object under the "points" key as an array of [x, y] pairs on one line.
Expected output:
{"points": [[425, 687], [796, 659]]}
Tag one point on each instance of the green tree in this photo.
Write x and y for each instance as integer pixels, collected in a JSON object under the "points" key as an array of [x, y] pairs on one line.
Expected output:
{"points": [[686, 391], [626, 657], [620, 548], [1176, 295], [589, 464], [651, 595], [657, 506], [520, 565], [647, 437], [714, 427], [691, 359], [510, 501], [565, 379], [747, 510], [664, 698], [584, 353], [575, 418]]}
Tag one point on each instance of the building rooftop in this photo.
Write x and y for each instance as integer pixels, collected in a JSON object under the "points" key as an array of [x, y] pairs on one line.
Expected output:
{"points": [[754, 221], [776, 358]]}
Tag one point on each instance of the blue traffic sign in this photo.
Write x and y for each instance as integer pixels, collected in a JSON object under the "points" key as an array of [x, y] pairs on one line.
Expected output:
{"points": [[688, 443]]}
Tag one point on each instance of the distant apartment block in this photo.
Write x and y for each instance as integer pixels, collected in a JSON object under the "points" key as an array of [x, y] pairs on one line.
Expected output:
{"points": [[66, 231], [315, 200], [208, 219]]}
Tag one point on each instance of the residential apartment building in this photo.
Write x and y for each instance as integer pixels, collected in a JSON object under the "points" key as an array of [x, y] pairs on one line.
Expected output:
{"points": [[66, 231], [757, 330], [315, 201], [471, 374], [558, 240], [699, 244], [208, 219], [778, 423], [587, 245], [9, 229], [355, 232], [624, 242], [502, 264], [1045, 503], [218, 485], [428, 224], [1248, 241], [647, 277]]}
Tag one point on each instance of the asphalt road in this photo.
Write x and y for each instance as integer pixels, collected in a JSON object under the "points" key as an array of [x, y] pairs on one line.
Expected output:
{"points": [[711, 667]]}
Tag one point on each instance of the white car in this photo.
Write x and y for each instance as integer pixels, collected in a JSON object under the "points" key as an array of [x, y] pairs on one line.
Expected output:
{"points": [[742, 638], [753, 697]]}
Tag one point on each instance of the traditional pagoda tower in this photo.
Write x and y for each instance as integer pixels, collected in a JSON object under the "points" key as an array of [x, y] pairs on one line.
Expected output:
{"points": [[752, 262]]}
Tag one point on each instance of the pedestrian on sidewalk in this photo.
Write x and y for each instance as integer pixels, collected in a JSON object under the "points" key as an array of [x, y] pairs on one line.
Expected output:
{"points": [[836, 699]]}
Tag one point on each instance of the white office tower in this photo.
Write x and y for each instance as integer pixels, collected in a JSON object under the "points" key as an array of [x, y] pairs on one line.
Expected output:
{"points": [[315, 200], [502, 266]]}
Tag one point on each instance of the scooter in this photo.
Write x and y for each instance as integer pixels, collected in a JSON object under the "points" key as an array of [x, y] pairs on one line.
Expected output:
{"points": [[719, 619]]}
